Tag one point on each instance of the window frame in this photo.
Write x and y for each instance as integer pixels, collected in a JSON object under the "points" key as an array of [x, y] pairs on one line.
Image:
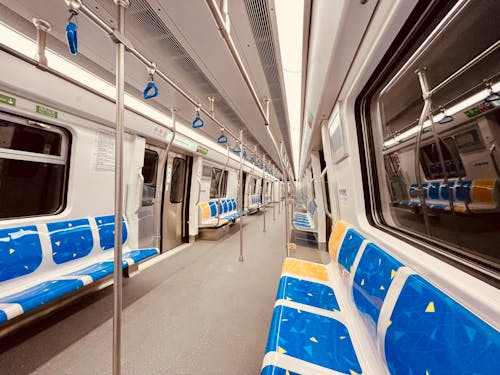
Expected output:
{"points": [[410, 37], [63, 158]]}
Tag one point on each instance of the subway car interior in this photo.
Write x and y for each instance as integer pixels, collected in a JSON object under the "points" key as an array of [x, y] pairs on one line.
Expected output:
{"points": [[271, 187]]}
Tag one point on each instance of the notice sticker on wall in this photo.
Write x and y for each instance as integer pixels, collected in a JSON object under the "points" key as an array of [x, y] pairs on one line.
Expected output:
{"points": [[343, 196], [104, 152]]}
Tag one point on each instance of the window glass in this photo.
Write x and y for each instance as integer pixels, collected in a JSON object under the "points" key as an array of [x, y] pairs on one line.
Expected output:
{"points": [[431, 164], [30, 139], [178, 180], [33, 168], [452, 196], [217, 175], [251, 186], [150, 167]]}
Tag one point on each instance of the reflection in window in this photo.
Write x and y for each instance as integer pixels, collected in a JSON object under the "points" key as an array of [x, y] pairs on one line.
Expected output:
{"points": [[33, 168], [431, 163], [217, 175], [457, 203]]}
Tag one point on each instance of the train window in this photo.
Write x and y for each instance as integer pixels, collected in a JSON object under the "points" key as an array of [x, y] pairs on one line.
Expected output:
{"points": [[150, 167], [178, 180], [449, 201], [252, 185], [217, 175], [33, 167]]}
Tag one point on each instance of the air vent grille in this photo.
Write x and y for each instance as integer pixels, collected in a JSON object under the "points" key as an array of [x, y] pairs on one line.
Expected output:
{"points": [[258, 14], [142, 16]]}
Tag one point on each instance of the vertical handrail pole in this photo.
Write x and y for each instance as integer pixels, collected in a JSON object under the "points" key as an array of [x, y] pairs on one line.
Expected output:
{"points": [[157, 221], [287, 226], [272, 195], [240, 200], [423, 116], [121, 5], [220, 185], [263, 194]]}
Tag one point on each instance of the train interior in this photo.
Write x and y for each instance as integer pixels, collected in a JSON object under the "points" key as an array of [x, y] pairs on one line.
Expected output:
{"points": [[249, 187]]}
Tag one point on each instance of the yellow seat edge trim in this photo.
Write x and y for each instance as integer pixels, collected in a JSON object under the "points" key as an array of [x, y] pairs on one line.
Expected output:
{"points": [[336, 238]]}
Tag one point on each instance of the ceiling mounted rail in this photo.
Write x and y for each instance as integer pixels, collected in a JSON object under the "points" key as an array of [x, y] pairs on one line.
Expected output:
{"points": [[80, 7]]}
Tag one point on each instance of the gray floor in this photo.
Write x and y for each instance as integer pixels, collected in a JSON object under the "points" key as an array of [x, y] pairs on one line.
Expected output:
{"points": [[200, 311]]}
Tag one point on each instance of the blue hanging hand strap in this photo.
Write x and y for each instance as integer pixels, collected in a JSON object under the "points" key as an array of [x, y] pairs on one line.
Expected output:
{"points": [[71, 35], [244, 154], [150, 91], [222, 139], [198, 122], [237, 149]]}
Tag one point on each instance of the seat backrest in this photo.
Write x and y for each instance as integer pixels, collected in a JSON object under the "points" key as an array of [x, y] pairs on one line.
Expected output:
{"points": [[205, 211], [70, 239], [462, 191], [20, 251], [350, 246], [336, 238], [430, 333], [106, 228], [374, 274], [213, 208]]}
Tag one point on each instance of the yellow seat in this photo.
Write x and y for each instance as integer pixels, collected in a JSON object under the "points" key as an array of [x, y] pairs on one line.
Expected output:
{"points": [[313, 270], [304, 268]]}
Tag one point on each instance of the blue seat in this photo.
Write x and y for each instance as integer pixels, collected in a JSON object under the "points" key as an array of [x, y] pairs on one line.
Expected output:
{"points": [[106, 227], [96, 271], [434, 190], [423, 330], [463, 191], [70, 242], [71, 239], [307, 293], [374, 275], [313, 338], [40, 294], [350, 246], [20, 252], [273, 370], [430, 333]]}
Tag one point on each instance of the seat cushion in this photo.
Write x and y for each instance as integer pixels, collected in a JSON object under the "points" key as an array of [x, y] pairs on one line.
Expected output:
{"points": [[273, 370], [96, 271], [42, 293], [138, 255], [307, 293], [313, 338]]}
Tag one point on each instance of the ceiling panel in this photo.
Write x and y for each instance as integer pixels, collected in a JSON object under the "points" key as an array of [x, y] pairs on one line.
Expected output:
{"points": [[189, 50]]}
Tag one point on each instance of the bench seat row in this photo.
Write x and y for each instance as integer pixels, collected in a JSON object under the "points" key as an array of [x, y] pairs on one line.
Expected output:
{"points": [[467, 195], [368, 313], [209, 212], [305, 221], [41, 263]]}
